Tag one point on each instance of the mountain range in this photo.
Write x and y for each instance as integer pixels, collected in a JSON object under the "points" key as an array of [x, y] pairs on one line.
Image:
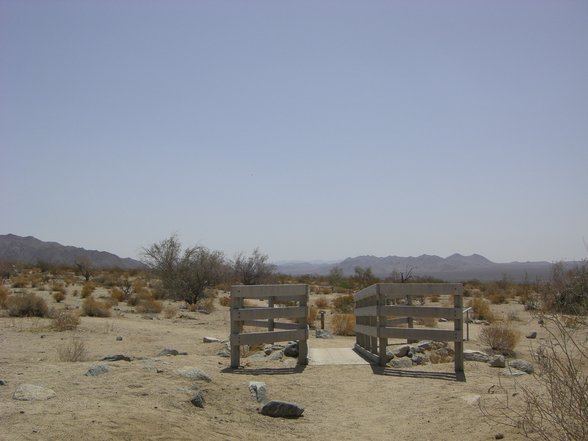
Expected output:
{"points": [[31, 250], [453, 268]]}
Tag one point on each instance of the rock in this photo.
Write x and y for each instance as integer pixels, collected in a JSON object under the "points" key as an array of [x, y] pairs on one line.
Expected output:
{"points": [[389, 355], [471, 355], [532, 334], [32, 392], [3, 382], [99, 369], [198, 399], [442, 320], [497, 361], [211, 340], [258, 390], [224, 353], [401, 363], [117, 357], [277, 355], [521, 365], [511, 372], [291, 349], [425, 345], [282, 409], [498, 436], [323, 333], [171, 352], [418, 359], [119, 338], [260, 356], [401, 351], [194, 374]]}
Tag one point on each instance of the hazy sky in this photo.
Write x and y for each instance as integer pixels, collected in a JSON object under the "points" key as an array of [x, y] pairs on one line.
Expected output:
{"points": [[310, 129]]}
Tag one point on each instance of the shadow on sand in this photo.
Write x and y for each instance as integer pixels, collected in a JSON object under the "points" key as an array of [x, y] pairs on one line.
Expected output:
{"points": [[298, 369]]}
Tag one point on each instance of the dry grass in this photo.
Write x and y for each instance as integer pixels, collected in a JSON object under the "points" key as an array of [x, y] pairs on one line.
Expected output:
{"points": [[58, 296], [224, 301], [322, 302], [93, 308], [74, 350], [65, 320], [170, 311], [501, 337], [206, 304], [344, 304], [149, 306], [88, 289], [428, 322], [117, 294], [481, 309], [343, 324], [4, 293], [26, 305]]}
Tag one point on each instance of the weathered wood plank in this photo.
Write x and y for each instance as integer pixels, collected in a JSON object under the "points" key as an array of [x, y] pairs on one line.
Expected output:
{"points": [[400, 290], [366, 311], [253, 338], [370, 331], [270, 313], [267, 291], [367, 354], [264, 324], [365, 293], [397, 321], [422, 311], [420, 334]]}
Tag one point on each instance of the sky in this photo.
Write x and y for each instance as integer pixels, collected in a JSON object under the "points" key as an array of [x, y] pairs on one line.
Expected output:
{"points": [[314, 130]]}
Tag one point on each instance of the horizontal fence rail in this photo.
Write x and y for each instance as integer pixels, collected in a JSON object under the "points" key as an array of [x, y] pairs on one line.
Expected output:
{"points": [[265, 317], [374, 326]]}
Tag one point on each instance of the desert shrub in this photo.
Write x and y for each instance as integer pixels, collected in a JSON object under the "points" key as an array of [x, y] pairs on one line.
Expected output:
{"points": [[93, 308], [497, 297], [57, 287], [428, 322], [26, 305], [65, 320], [312, 314], [434, 298], [58, 296], [88, 289], [205, 304], [344, 304], [74, 350], [4, 293], [343, 324], [325, 290], [19, 282], [117, 294], [567, 291], [149, 306], [501, 337], [322, 302], [170, 311], [224, 301], [481, 309]]}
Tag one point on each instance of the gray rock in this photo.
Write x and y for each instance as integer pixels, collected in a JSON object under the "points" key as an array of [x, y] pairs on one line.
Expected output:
{"points": [[211, 340], [258, 390], [511, 372], [224, 353], [282, 409], [194, 374], [401, 363], [497, 361], [167, 351], [323, 333], [3, 382], [119, 338], [401, 351], [291, 349], [442, 320], [532, 335], [389, 355], [521, 365], [116, 357], [418, 359], [276, 355], [499, 436], [260, 356], [425, 345], [471, 355], [32, 392], [99, 369], [198, 399]]}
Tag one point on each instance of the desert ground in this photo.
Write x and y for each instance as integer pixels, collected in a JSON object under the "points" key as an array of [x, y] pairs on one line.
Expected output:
{"points": [[146, 398]]}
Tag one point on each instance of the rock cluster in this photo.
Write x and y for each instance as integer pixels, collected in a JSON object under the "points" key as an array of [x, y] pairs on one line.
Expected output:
{"points": [[423, 352]]}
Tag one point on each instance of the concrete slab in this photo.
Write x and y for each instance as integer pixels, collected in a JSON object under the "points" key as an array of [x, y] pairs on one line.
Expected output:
{"points": [[330, 356]]}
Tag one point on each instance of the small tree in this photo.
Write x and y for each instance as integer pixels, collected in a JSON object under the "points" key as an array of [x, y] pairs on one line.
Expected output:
{"points": [[84, 267], [253, 270], [364, 276], [184, 275]]}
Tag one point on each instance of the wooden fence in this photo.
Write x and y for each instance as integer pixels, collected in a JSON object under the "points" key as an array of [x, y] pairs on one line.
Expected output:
{"points": [[264, 317], [373, 327]]}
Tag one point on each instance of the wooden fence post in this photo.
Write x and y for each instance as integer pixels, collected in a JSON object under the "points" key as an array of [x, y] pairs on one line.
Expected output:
{"points": [[458, 327], [236, 327]]}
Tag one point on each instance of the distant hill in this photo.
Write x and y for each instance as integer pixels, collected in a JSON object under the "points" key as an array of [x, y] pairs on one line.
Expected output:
{"points": [[31, 250], [453, 268]]}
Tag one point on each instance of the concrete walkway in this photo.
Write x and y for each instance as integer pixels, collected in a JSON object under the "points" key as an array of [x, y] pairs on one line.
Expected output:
{"points": [[329, 356]]}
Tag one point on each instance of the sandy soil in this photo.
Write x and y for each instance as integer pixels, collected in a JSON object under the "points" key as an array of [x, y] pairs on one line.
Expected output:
{"points": [[147, 399]]}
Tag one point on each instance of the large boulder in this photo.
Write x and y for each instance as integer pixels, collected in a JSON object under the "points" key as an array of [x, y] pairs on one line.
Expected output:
{"points": [[521, 365], [471, 355], [96, 370], [401, 363], [497, 361], [291, 349]]}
